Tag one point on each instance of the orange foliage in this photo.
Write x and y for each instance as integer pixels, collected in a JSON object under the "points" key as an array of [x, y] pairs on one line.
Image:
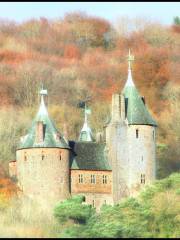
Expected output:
{"points": [[106, 94], [57, 43], [81, 58], [176, 28], [71, 51], [7, 188], [12, 57]]}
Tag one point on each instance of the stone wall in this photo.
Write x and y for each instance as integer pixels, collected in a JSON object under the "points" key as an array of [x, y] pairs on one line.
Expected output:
{"points": [[43, 172], [86, 186], [117, 153], [96, 194], [142, 156], [97, 199]]}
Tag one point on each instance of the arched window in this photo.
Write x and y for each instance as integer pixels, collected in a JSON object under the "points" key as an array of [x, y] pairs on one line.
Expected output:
{"points": [[137, 133]]}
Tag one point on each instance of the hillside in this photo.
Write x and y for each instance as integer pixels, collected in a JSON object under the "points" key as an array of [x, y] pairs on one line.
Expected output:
{"points": [[80, 56], [153, 214]]}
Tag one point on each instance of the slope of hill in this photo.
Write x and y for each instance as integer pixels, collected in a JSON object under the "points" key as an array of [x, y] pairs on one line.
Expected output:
{"points": [[81, 56]]}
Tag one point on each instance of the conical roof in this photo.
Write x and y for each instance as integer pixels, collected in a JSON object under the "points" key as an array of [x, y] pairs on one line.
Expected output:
{"points": [[136, 110], [86, 134], [52, 137]]}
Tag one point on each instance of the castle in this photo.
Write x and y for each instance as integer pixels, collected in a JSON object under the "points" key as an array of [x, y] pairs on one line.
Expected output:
{"points": [[116, 165]]}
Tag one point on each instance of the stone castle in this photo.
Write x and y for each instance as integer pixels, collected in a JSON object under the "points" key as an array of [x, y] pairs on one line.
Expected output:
{"points": [[117, 164]]}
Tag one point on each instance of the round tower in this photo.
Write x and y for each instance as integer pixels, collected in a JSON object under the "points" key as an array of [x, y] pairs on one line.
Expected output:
{"points": [[141, 140], [43, 159], [131, 141]]}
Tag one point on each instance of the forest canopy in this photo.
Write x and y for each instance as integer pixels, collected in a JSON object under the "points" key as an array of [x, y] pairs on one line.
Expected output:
{"points": [[80, 56]]}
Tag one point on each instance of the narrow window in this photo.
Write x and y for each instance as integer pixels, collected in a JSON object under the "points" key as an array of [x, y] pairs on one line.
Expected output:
{"points": [[80, 178], [142, 159], [43, 156], [104, 179], [137, 133], [93, 179], [153, 134], [25, 156], [143, 99], [126, 107], [93, 203], [60, 156], [143, 178], [104, 201]]}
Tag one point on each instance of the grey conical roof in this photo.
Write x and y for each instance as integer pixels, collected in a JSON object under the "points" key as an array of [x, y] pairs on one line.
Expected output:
{"points": [[52, 138], [136, 110]]}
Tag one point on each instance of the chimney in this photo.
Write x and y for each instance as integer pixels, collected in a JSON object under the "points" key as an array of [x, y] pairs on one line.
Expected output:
{"points": [[39, 132], [122, 107], [115, 108]]}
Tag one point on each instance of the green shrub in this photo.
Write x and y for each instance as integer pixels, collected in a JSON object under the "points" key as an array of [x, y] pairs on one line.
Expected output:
{"points": [[73, 209], [154, 213]]}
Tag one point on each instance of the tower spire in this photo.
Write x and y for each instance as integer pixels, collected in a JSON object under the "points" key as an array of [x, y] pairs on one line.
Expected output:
{"points": [[129, 81], [86, 133], [43, 109]]}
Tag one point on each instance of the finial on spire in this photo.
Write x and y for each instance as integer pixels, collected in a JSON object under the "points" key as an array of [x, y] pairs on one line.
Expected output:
{"points": [[43, 92], [130, 58], [129, 81], [42, 109], [86, 133]]}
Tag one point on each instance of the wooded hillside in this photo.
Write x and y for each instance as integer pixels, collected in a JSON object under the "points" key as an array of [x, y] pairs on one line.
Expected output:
{"points": [[80, 56]]}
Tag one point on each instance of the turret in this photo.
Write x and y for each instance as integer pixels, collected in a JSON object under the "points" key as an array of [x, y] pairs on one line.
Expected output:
{"points": [[141, 137], [130, 138], [43, 159]]}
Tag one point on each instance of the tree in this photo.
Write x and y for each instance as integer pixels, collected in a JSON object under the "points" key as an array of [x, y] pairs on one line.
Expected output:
{"points": [[73, 209], [176, 24], [153, 213], [177, 20]]}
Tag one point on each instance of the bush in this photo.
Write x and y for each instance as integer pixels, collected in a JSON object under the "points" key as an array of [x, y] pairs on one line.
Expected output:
{"points": [[154, 213], [73, 209]]}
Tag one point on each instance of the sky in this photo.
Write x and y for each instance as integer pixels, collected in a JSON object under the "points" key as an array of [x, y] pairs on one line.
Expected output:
{"points": [[162, 12]]}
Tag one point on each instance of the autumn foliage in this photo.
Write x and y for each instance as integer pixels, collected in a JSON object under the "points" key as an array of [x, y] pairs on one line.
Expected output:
{"points": [[81, 56]]}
